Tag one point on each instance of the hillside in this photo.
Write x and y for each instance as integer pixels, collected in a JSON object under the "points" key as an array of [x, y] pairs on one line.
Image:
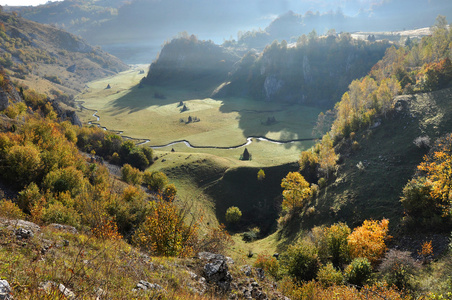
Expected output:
{"points": [[314, 71], [371, 177], [189, 61], [46, 58]]}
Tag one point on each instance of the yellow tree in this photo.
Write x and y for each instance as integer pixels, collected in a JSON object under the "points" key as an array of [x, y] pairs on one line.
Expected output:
{"points": [[296, 191], [327, 155], [369, 240], [438, 169]]}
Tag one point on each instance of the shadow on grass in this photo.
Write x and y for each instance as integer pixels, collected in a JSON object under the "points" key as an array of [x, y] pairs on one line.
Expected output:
{"points": [[256, 118]]}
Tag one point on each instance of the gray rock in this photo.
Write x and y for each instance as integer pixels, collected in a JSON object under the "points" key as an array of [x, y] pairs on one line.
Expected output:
{"points": [[66, 292], [209, 256], [246, 269], [61, 227], [6, 293], [15, 224], [22, 233], [144, 286], [217, 272], [47, 286]]}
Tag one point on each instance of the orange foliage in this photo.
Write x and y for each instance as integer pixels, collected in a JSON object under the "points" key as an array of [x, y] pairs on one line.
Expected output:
{"points": [[165, 233], [438, 169], [106, 229], [426, 250], [368, 240], [316, 291]]}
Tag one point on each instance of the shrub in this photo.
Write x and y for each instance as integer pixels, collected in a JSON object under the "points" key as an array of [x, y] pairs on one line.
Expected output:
{"points": [[368, 240], [397, 269], [216, 240], [24, 164], [170, 192], [268, 263], [329, 276], [301, 261], [417, 200], [233, 214], [28, 197], [251, 235], [337, 243], [10, 210], [68, 179], [58, 213], [155, 181], [165, 232], [359, 271], [131, 175], [422, 142]]}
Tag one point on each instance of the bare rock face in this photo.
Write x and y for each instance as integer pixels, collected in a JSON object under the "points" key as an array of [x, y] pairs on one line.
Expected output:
{"points": [[271, 86], [3, 100]]}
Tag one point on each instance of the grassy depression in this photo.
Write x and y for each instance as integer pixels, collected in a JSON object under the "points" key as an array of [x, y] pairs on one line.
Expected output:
{"points": [[143, 113]]}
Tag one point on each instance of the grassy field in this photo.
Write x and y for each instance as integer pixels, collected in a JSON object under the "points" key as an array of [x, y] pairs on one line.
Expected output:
{"points": [[223, 123]]}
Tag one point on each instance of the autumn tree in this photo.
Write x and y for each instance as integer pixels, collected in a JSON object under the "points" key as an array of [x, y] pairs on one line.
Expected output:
{"points": [[327, 155], [260, 175], [296, 191], [165, 232], [369, 240]]}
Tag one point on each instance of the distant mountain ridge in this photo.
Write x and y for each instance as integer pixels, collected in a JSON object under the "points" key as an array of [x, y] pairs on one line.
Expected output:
{"points": [[144, 25], [45, 57]]}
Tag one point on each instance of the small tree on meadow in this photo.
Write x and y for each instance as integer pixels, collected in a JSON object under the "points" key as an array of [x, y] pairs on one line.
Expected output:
{"points": [[260, 175], [233, 214]]}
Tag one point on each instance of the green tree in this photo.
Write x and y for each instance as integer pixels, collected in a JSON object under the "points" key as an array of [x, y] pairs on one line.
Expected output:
{"points": [[301, 261]]}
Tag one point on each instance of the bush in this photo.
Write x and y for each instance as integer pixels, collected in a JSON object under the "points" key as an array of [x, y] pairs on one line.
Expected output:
{"points": [[170, 192], [28, 197], [268, 263], [329, 276], [233, 214], [131, 175], [417, 200], [24, 164], [10, 210], [397, 269], [301, 261], [251, 235], [165, 233], [359, 271], [68, 179], [155, 181], [337, 243], [58, 213], [369, 240]]}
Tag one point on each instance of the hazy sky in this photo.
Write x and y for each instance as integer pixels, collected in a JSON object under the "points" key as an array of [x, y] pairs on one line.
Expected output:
{"points": [[24, 2]]}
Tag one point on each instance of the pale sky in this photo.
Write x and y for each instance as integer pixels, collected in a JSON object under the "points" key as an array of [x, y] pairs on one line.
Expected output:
{"points": [[24, 2]]}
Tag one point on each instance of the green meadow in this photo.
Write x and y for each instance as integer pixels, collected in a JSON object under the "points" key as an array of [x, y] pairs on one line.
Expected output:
{"points": [[138, 113]]}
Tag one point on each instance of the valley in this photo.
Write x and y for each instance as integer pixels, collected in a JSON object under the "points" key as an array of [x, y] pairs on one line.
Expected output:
{"points": [[137, 113], [297, 162]]}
